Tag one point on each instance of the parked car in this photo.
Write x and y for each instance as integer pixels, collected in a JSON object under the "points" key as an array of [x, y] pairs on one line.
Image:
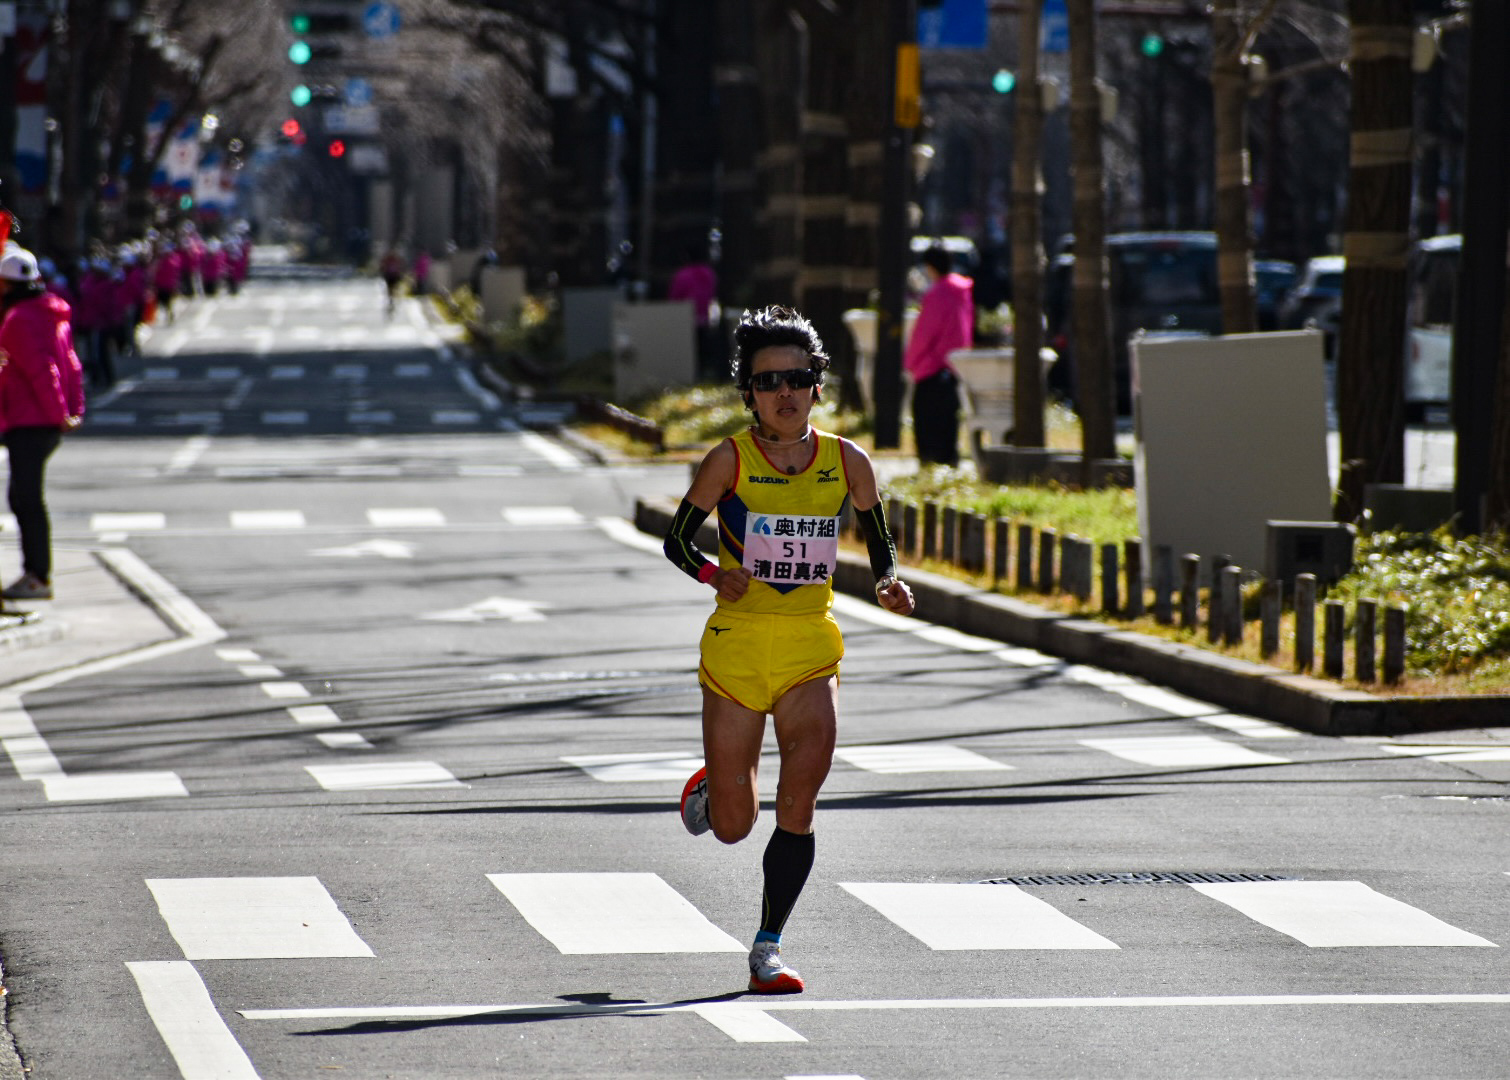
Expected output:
{"points": [[1273, 279], [1160, 282], [1319, 289]]}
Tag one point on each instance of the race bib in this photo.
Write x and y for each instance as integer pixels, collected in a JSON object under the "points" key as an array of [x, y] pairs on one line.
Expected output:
{"points": [[791, 549]]}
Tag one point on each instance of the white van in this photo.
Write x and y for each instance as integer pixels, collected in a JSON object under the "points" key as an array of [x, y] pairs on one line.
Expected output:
{"points": [[1433, 306]]}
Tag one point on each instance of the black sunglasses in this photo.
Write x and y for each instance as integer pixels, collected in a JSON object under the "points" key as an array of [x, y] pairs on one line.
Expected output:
{"points": [[796, 378]]}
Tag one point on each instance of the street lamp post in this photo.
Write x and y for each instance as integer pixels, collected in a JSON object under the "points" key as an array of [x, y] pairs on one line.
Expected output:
{"points": [[895, 190]]}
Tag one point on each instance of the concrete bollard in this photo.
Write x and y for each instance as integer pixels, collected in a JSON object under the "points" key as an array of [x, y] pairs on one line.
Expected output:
{"points": [[1333, 625], [950, 548], [1190, 592], [1394, 644], [1305, 623], [1270, 603], [930, 530], [1048, 542], [1001, 543], [1232, 605], [1365, 616], [1025, 557], [1111, 603], [973, 542], [894, 518], [1132, 562], [910, 530], [1215, 620], [1082, 584], [1163, 585]]}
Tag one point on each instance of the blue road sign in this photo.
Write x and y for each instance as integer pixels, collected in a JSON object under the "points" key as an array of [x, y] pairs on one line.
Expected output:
{"points": [[381, 19], [1055, 27], [357, 92], [955, 24]]}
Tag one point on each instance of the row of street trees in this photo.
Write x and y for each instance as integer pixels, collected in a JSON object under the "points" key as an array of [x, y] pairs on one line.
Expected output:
{"points": [[602, 138]]}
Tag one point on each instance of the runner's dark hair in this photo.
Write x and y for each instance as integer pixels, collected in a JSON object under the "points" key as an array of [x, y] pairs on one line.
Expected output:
{"points": [[774, 325]]}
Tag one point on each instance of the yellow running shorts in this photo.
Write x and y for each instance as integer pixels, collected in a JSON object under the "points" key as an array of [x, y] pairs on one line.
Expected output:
{"points": [[753, 659]]}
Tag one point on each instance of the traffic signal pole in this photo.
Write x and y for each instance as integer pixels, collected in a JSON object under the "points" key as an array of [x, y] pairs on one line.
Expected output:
{"points": [[896, 191]]}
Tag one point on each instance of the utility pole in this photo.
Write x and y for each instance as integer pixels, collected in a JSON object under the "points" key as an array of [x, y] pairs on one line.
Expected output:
{"points": [[1476, 342], [896, 190]]}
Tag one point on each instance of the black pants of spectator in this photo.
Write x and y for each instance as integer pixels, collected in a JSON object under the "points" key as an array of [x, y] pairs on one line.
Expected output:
{"points": [[29, 449], [935, 418]]}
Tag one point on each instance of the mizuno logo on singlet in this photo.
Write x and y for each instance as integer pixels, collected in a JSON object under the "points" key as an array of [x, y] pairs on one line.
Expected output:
{"points": [[826, 476], [768, 480]]}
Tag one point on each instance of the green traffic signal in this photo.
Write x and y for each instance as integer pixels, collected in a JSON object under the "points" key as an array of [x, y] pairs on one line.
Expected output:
{"points": [[301, 95], [1003, 81], [299, 52], [299, 23], [1151, 45]]}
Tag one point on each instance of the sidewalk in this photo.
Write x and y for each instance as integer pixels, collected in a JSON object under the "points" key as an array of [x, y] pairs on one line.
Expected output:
{"points": [[93, 616]]}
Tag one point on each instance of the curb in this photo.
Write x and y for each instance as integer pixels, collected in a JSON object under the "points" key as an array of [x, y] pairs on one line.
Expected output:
{"points": [[1300, 701]]}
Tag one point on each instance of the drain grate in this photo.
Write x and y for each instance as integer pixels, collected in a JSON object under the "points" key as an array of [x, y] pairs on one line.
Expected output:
{"points": [[1139, 877]]}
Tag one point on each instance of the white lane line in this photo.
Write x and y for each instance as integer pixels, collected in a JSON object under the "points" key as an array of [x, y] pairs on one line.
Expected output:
{"points": [[344, 740], [1449, 753], [637, 768], [188, 1021], [411, 371], [612, 913], [254, 918], [398, 1013], [554, 453], [383, 776], [28, 751], [542, 515], [747, 1025], [916, 758], [138, 522], [261, 671], [282, 690], [441, 417], [187, 455], [1181, 751], [405, 518], [313, 715], [286, 417], [1020, 657], [285, 371], [1248, 726], [160, 374], [238, 656], [267, 519], [954, 917], [1336, 914]]}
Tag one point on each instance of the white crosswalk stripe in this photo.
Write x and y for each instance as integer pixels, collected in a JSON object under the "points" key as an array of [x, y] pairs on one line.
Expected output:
{"points": [[1181, 751], [383, 775], [247, 918], [955, 917]]}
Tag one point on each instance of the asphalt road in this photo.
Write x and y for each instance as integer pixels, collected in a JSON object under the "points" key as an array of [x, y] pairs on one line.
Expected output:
{"points": [[399, 799]]}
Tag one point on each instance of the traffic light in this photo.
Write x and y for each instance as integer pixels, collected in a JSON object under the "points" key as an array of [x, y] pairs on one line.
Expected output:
{"points": [[1003, 81], [301, 95], [336, 149], [299, 52], [290, 128], [299, 23], [1151, 45]]}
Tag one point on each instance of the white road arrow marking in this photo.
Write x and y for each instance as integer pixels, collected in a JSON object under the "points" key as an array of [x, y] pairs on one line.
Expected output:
{"points": [[386, 549], [494, 607]]}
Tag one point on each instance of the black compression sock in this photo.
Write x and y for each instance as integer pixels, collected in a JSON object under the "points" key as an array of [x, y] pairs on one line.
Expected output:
{"points": [[788, 858]]}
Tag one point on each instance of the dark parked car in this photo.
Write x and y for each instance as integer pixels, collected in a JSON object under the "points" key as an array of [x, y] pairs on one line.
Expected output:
{"points": [[1160, 282], [1273, 279]]}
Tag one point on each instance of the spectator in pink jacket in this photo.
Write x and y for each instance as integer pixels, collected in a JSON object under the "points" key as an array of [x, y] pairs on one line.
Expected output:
{"points": [[946, 321], [167, 271], [94, 321], [697, 281], [41, 397]]}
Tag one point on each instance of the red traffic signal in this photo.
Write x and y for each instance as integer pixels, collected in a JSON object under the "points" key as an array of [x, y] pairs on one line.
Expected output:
{"points": [[290, 128], [337, 148]]}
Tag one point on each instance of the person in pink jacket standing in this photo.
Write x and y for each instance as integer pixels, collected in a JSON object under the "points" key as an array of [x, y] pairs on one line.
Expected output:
{"points": [[946, 321], [41, 397]]}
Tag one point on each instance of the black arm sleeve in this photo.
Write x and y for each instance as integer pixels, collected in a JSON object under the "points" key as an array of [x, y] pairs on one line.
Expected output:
{"points": [[680, 547], [883, 553]]}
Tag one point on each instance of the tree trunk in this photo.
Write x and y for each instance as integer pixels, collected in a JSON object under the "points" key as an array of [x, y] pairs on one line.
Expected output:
{"points": [[779, 52], [738, 90], [1229, 115], [1497, 502], [1376, 245], [869, 109], [1027, 239], [1091, 320]]}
